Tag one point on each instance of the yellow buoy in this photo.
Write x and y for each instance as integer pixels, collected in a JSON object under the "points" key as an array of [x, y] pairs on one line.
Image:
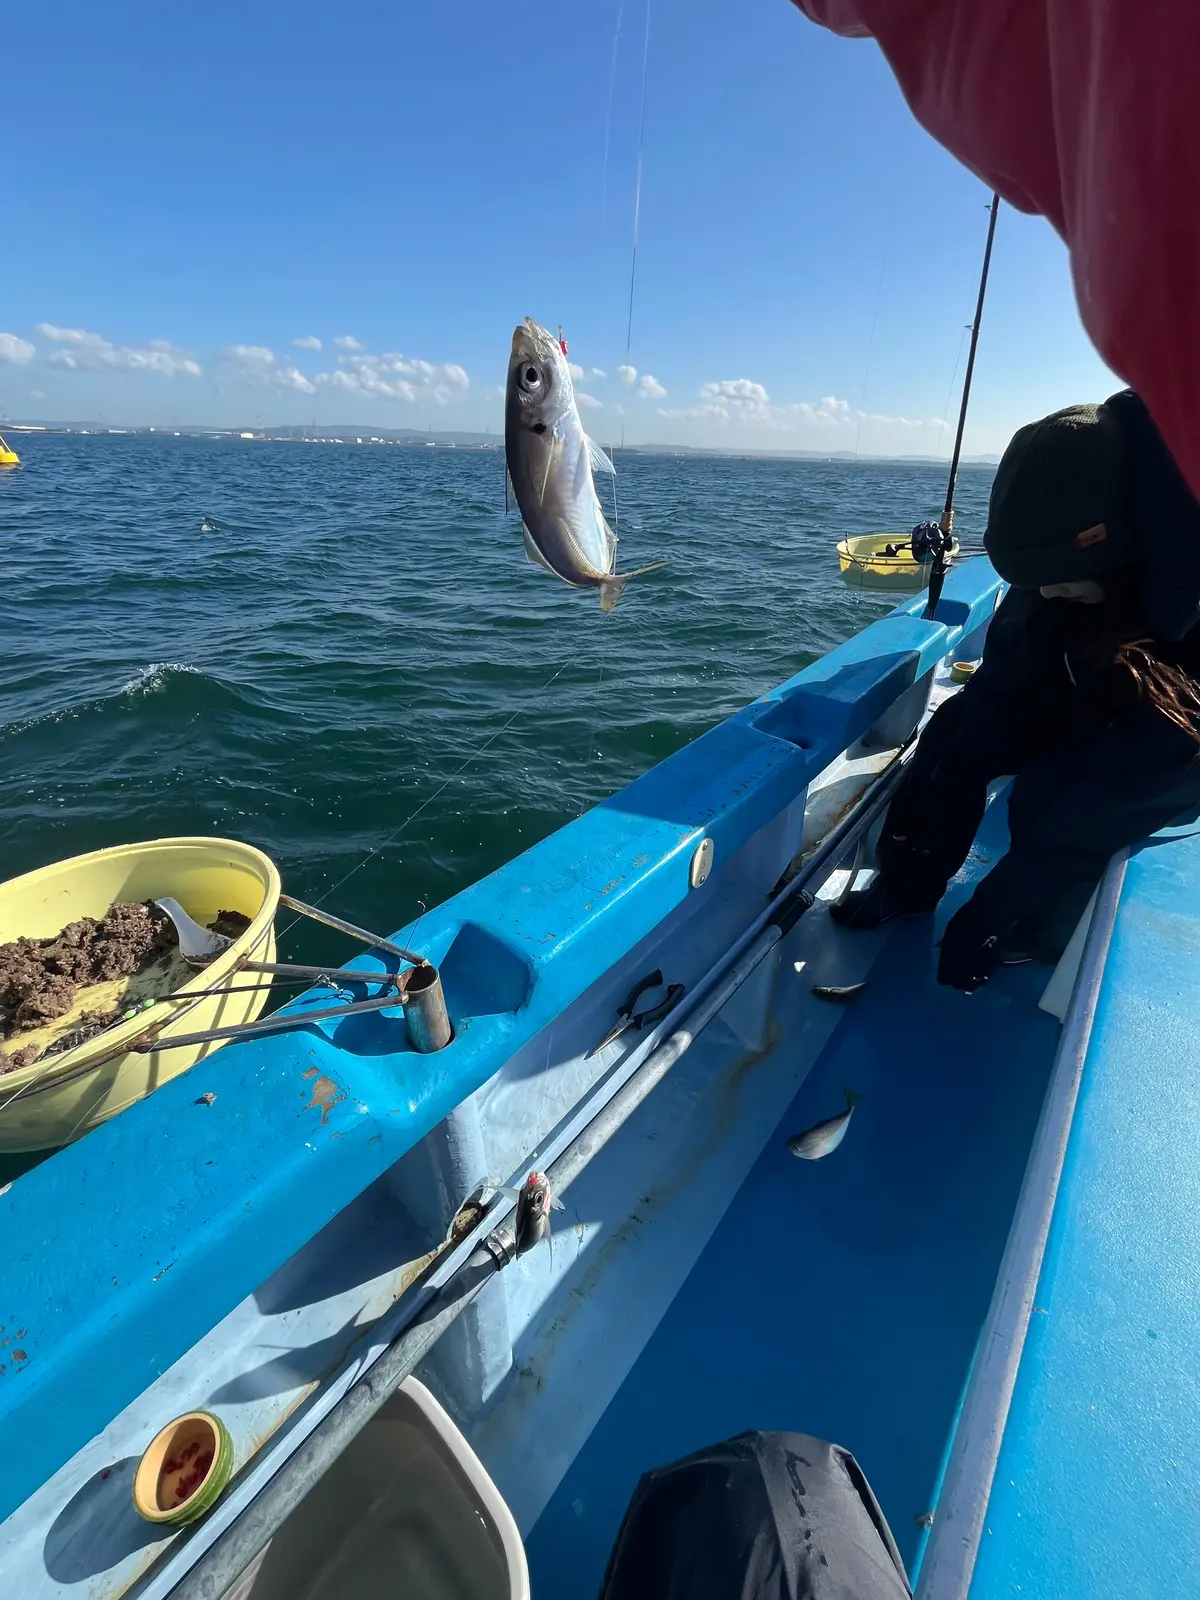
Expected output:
{"points": [[62, 1095], [8, 456]]}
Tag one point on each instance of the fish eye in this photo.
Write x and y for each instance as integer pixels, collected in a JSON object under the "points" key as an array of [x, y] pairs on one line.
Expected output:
{"points": [[530, 378], [539, 427]]}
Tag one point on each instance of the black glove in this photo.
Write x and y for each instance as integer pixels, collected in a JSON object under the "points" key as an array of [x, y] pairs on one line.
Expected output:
{"points": [[970, 950]]}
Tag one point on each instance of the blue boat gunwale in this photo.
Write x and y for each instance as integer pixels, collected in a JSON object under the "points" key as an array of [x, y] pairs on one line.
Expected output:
{"points": [[264, 1165]]}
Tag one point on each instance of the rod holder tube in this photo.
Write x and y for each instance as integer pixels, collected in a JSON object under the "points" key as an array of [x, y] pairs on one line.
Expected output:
{"points": [[425, 1012], [373, 940]]}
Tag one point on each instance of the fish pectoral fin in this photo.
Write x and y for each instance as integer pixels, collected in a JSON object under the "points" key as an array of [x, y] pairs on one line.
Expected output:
{"points": [[599, 457], [534, 554]]}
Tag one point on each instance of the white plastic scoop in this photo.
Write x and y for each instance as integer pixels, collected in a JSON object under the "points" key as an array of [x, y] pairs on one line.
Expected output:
{"points": [[195, 943]]}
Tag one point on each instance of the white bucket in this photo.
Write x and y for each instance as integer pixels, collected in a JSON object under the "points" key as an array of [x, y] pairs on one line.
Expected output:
{"points": [[406, 1511]]}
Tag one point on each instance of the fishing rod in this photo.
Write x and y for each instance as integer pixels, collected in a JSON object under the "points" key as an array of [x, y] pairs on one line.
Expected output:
{"points": [[493, 1242], [938, 537]]}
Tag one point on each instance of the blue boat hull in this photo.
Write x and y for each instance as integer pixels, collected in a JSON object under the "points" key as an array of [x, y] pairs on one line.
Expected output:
{"points": [[701, 1280]]}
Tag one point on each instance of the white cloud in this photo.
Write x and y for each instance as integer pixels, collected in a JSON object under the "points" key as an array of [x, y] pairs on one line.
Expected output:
{"points": [[598, 372], [292, 378], [730, 399], [347, 341], [575, 370], [742, 401], [392, 376], [17, 351], [91, 352], [742, 391], [254, 363], [309, 342], [587, 400], [251, 358], [715, 412], [648, 387], [829, 409]]}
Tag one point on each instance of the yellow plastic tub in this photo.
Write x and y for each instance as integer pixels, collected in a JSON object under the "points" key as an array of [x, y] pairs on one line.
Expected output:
{"points": [[865, 564], [54, 1100]]}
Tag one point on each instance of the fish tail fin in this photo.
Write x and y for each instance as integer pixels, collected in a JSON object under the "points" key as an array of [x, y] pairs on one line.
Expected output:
{"points": [[611, 587]]}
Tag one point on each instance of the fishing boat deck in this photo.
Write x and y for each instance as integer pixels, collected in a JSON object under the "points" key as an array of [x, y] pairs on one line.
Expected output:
{"points": [[842, 1297], [702, 1280], [1095, 1486]]}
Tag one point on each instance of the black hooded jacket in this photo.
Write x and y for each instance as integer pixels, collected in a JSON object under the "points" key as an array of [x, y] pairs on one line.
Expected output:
{"points": [[1098, 767]]}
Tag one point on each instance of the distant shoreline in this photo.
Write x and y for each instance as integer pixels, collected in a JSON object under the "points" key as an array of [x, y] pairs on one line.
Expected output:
{"points": [[416, 438]]}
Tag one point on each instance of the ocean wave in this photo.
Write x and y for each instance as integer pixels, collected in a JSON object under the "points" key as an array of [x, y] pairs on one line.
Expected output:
{"points": [[154, 678], [169, 687]]}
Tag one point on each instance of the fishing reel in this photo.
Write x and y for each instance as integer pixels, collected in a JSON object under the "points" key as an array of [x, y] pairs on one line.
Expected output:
{"points": [[931, 541]]}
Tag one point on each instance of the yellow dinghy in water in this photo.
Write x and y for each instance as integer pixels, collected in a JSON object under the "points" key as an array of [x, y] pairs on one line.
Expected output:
{"points": [[8, 456], [884, 561], [63, 1094]]}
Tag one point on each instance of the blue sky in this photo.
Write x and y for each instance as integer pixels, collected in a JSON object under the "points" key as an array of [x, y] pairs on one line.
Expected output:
{"points": [[189, 190]]}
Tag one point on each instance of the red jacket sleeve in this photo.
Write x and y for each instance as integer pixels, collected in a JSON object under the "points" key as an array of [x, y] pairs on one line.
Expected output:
{"points": [[1083, 111]]}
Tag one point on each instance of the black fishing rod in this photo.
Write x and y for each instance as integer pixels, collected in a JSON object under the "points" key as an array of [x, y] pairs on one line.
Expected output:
{"points": [[939, 536]]}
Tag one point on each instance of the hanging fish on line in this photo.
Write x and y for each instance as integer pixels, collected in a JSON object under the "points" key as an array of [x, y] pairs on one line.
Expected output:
{"points": [[550, 463], [824, 1137]]}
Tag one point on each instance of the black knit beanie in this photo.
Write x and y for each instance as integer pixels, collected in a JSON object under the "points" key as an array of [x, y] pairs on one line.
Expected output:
{"points": [[1060, 506]]}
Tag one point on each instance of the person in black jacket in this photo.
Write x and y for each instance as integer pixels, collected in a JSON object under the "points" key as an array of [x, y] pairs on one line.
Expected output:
{"points": [[1087, 692]]}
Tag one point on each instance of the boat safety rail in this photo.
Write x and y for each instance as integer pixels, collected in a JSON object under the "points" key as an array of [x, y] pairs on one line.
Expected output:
{"points": [[494, 1242]]}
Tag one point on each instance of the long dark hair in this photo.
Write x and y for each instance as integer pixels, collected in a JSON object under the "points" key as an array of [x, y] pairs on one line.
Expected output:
{"points": [[1144, 667], [1161, 683]]}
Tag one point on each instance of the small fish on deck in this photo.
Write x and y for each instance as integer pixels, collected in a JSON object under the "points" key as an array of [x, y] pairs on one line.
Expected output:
{"points": [[824, 1137], [838, 994], [550, 463]]}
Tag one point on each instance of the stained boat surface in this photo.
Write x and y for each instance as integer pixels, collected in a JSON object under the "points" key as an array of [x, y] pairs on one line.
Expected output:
{"points": [[702, 1280]]}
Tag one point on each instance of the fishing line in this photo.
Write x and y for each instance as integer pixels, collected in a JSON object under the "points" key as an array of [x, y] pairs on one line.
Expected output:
{"points": [[637, 203], [596, 757], [429, 799], [612, 84]]}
